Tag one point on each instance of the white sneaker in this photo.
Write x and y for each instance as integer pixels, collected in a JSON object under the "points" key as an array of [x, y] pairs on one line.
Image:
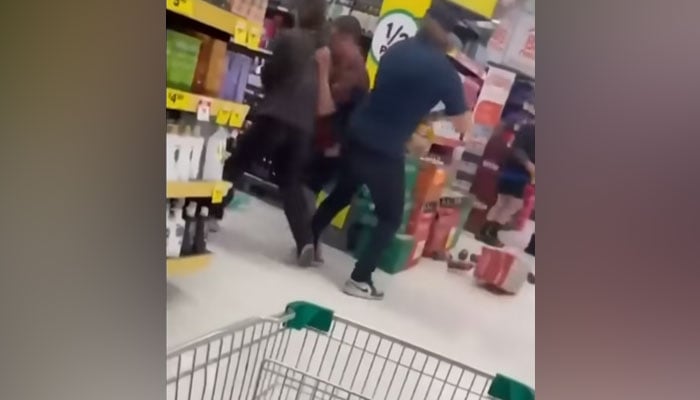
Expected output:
{"points": [[362, 290], [318, 256], [306, 256]]}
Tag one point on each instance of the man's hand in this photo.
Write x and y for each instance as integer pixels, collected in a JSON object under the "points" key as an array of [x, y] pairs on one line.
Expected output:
{"points": [[323, 59]]}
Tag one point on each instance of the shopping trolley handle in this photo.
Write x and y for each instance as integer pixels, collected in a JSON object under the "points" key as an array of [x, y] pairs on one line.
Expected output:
{"points": [[305, 315]]}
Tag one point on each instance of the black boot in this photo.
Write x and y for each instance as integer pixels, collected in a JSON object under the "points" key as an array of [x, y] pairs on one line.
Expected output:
{"points": [[530, 249], [493, 235], [485, 232]]}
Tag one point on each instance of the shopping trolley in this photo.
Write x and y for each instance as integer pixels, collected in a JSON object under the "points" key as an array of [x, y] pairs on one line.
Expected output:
{"points": [[308, 353]]}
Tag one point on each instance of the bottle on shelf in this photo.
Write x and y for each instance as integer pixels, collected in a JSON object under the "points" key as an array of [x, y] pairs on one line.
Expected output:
{"points": [[190, 229], [197, 142], [200, 237], [171, 149], [214, 155], [168, 230], [176, 228], [185, 155]]}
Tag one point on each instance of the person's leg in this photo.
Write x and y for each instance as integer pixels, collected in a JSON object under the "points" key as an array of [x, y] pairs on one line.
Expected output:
{"points": [[289, 161], [340, 197], [321, 172], [511, 205], [249, 147], [486, 233], [385, 181]]}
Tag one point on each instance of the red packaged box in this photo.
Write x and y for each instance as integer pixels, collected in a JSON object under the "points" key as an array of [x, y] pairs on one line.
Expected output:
{"points": [[430, 183], [528, 207], [444, 227], [501, 269], [419, 227]]}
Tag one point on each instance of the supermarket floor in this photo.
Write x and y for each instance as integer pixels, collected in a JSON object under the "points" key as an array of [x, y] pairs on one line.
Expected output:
{"points": [[252, 274]]}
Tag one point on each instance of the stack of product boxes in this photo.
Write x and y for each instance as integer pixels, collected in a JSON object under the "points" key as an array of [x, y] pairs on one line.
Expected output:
{"points": [[432, 221], [201, 64]]}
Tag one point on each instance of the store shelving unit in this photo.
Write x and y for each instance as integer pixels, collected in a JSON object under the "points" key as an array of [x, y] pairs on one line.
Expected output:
{"points": [[197, 189], [194, 189], [226, 112], [243, 32]]}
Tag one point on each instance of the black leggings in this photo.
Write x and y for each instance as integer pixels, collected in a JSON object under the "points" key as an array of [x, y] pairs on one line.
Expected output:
{"points": [[288, 149]]}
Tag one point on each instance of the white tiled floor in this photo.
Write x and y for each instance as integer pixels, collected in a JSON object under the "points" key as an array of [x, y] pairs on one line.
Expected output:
{"points": [[252, 275]]}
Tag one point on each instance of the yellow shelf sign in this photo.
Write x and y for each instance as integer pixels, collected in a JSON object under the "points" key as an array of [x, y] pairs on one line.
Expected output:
{"points": [[240, 33], [223, 117], [175, 99], [217, 195], [184, 7], [238, 114], [253, 40]]}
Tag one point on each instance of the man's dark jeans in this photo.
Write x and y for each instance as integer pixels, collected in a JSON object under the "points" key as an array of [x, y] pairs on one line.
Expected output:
{"points": [[384, 177]]}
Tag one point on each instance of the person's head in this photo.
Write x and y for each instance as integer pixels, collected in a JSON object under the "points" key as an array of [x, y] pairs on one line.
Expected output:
{"points": [[346, 27], [439, 21], [311, 14]]}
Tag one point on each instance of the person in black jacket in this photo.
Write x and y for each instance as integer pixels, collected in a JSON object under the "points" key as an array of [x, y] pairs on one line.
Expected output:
{"points": [[284, 121]]}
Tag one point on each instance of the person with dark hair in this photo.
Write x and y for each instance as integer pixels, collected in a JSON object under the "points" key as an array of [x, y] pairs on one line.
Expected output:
{"points": [[284, 120], [348, 83], [517, 172], [413, 76]]}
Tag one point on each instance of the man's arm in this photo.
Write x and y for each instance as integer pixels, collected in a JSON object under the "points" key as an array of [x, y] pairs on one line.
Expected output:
{"points": [[455, 103], [278, 64]]}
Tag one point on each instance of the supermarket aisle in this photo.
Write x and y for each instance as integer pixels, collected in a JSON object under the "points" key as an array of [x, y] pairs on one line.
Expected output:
{"points": [[252, 274]]}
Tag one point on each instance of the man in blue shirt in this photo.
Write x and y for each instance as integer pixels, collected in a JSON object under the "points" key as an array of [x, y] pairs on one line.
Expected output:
{"points": [[413, 76]]}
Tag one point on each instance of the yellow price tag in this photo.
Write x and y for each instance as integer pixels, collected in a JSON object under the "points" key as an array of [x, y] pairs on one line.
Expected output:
{"points": [[238, 115], [240, 33], [253, 37], [175, 99], [223, 117], [184, 7], [217, 195]]}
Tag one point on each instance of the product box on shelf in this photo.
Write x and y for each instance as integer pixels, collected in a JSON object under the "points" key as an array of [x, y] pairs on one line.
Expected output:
{"points": [[501, 269], [447, 224], [236, 78], [211, 66], [242, 7], [182, 52], [258, 10], [528, 207], [431, 180], [419, 226], [396, 257], [465, 211]]}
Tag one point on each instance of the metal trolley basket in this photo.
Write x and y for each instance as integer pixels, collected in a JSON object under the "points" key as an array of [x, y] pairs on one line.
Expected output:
{"points": [[307, 353]]}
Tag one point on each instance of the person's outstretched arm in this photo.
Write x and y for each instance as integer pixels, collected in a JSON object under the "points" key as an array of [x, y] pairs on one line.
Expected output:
{"points": [[455, 103]]}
